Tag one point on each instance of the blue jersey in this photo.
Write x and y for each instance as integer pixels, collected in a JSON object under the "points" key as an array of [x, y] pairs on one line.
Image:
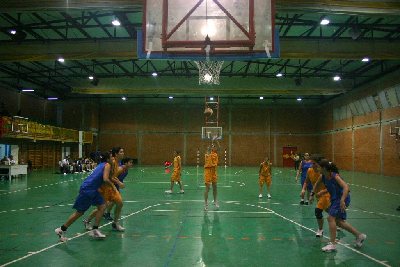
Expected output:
{"points": [[304, 168], [334, 189], [121, 177], [95, 179]]}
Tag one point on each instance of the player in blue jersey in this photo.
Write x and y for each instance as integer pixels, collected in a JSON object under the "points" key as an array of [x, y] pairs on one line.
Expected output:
{"points": [[305, 164], [88, 196], [340, 200]]}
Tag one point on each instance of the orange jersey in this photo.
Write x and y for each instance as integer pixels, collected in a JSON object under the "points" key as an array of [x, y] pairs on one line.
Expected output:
{"points": [[313, 176], [176, 174], [210, 167], [177, 163], [210, 160], [109, 194], [265, 169]]}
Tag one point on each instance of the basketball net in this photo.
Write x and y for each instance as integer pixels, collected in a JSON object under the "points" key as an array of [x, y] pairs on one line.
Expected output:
{"points": [[209, 71]]}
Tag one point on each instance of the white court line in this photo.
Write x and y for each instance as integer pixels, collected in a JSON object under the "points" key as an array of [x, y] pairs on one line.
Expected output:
{"points": [[374, 189], [342, 244], [39, 186], [154, 182], [246, 212], [168, 203], [219, 186], [31, 253], [226, 211]]}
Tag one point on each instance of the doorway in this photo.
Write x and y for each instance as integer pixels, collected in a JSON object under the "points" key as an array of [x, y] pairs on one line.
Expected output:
{"points": [[287, 151]]}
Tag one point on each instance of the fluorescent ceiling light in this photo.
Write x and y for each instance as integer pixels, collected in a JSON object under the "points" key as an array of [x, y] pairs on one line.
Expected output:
{"points": [[116, 22], [325, 22]]}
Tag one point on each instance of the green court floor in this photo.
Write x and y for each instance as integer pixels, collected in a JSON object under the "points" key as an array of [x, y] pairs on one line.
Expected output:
{"points": [[173, 230]]}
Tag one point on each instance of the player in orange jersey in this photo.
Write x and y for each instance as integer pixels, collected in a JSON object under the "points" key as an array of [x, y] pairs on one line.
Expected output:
{"points": [[322, 195], [265, 177], [176, 174], [210, 174]]}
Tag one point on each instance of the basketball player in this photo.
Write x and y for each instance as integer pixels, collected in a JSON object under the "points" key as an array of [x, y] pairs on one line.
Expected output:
{"points": [[340, 200], [127, 163], [264, 177], [321, 193], [110, 193], [210, 174], [88, 195], [176, 174], [304, 166]]}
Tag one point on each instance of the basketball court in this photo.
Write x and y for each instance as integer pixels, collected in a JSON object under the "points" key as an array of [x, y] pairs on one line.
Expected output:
{"points": [[189, 76], [173, 230]]}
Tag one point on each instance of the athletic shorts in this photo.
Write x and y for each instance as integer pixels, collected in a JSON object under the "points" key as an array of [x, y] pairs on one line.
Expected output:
{"points": [[324, 202], [264, 179], [86, 199], [210, 175], [109, 194], [176, 176], [334, 209], [309, 185]]}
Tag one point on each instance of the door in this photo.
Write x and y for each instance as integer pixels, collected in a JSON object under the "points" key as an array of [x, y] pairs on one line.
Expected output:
{"points": [[287, 151]]}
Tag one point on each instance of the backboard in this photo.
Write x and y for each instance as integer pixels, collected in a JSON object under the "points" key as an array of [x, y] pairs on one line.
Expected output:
{"points": [[220, 29], [211, 133]]}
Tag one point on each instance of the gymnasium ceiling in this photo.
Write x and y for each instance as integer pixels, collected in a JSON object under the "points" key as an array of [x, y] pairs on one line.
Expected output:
{"points": [[82, 33]]}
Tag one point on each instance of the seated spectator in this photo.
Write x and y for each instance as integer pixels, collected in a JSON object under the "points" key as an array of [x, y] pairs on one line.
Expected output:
{"points": [[12, 161], [5, 161]]}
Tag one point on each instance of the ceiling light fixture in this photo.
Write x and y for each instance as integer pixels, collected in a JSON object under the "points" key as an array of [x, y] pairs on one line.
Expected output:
{"points": [[28, 90], [324, 22], [91, 77], [170, 97], [123, 98], [261, 97], [13, 32], [279, 75], [61, 60], [299, 99], [365, 59], [52, 98], [116, 22], [337, 78], [154, 74]]}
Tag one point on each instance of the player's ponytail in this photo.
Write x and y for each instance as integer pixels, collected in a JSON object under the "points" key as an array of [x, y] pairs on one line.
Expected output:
{"points": [[328, 165]]}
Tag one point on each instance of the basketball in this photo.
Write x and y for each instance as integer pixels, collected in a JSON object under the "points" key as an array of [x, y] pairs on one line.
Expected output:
{"points": [[208, 111]]}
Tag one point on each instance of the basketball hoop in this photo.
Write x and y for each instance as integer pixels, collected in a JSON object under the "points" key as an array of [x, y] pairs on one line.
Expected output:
{"points": [[209, 71]]}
